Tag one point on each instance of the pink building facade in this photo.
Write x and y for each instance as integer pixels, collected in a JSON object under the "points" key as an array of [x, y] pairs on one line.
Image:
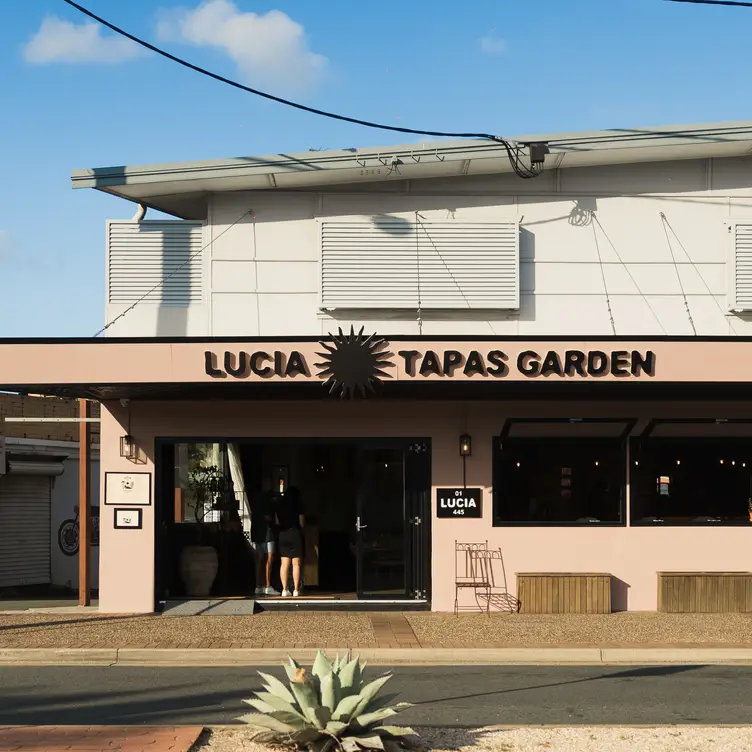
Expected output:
{"points": [[556, 368], [168, 392]]}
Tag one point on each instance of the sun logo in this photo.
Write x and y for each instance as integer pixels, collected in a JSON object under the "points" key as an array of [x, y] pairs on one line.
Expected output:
{"points": [[353, 363]]}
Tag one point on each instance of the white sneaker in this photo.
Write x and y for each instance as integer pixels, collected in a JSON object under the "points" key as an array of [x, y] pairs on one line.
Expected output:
{"points": [[259, 591], [271, 591], [295, 593], [285, 593]]}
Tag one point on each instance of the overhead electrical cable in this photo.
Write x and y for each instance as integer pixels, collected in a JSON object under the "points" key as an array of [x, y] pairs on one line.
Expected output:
{"points": [[737, 3], [514, 151]]}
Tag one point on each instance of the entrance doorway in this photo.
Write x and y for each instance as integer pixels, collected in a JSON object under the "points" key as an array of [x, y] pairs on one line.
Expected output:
{"points": [[365, 505]]}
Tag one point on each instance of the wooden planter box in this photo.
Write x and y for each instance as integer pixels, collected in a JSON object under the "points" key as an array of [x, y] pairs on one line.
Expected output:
{"points": [[564, 592], [704, 592]]}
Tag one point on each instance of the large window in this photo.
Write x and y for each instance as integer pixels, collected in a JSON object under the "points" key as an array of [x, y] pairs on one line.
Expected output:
{"points": [[680, 481], [559, 481]]}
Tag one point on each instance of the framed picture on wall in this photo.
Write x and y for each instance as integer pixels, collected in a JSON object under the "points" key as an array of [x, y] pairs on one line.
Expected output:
{"points": [[128, 519], [127, 489]]}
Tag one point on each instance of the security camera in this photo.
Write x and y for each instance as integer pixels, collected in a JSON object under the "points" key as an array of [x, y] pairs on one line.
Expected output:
{"points": [[124, 402]]}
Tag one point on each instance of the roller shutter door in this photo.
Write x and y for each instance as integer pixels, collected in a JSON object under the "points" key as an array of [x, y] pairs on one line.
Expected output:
{"points": [[25, 510]]}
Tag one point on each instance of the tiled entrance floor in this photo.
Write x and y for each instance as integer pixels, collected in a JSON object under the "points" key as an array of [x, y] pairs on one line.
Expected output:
{"points": [[97, 738]]}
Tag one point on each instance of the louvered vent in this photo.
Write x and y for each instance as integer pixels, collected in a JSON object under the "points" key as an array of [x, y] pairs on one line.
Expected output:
{"points": [[394, 263], [161, 260], [741, 292]]}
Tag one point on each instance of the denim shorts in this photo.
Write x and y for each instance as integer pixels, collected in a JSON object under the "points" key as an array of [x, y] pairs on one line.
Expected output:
{"points": [[265, 547]]}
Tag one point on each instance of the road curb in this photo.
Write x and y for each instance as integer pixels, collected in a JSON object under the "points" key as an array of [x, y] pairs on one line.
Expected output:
{"points": [[543, 656], [58, 656]]}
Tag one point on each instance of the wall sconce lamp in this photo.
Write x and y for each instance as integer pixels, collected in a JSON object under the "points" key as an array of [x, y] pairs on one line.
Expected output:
{"points": [[128, 447], [466, 445], [466, 448]]}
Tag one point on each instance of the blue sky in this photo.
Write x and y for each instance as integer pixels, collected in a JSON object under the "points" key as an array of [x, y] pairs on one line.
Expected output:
{"points": [[74, 97]]}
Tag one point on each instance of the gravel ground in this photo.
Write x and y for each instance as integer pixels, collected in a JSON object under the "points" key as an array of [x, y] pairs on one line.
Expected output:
{"points": [[262, 630], [643, 628], [344, 629], [571, 739]]}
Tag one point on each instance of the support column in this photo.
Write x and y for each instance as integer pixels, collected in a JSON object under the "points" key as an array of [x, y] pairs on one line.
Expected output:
{"points": [[84, 503]]}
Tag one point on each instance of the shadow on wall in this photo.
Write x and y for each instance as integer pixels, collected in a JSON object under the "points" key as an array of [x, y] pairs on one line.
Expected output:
{"points": [[172, 318], [619, 594]]}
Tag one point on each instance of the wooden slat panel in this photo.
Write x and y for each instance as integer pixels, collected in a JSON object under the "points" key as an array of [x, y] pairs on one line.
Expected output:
{"points": [[564, 593], [705, 592]]}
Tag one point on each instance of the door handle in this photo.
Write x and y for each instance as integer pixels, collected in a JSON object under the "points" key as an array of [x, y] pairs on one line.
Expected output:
{"points": [[358, 526]]}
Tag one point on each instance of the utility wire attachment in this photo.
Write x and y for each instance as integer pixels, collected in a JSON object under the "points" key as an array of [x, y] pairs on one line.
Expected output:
{"points": [[514, 151], [676, 269]]}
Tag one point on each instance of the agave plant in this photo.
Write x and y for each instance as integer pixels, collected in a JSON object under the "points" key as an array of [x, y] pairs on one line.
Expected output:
{"points": [[330, 708]]}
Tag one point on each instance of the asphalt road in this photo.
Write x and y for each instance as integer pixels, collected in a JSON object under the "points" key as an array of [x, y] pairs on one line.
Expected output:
{"points": [[462, 696]]}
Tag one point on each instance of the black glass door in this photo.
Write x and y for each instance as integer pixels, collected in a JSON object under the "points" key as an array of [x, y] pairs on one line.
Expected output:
{"points": [[391, 524]]}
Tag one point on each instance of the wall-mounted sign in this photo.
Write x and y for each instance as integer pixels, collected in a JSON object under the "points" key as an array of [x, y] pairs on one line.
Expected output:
{"points": [[128, 519], [355, 362], [529, 363], [127, 489], [461, 503]]}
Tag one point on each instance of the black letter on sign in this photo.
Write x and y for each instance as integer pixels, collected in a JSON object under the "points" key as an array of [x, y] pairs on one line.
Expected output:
{"points": [[551, 364], [409, 356], [573, 363], [210, 361], [620, 363], [241, 371], [279, 363], [452, 359], [296, 365], [256, 358], [474, 364], [430, 364], [597, 363], [528, 363], [646, 364], [498, 367]]}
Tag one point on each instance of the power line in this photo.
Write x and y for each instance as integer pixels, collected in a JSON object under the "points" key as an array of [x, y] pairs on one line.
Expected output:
{"points": [[736, 3], [513, 151]]}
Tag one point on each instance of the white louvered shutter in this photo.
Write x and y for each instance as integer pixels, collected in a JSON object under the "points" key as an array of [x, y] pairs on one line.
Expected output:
{"points": [[25, 536], [740, 297], [394, 263], [160, 259]]}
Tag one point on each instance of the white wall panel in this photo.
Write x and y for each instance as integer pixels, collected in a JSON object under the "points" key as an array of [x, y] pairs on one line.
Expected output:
{"points": [[577, 226], [235, 314], [288, 276], [233, 276], [287, 315]]}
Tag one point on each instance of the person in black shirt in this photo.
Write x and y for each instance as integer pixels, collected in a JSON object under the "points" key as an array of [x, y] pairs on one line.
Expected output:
{"points": [[289, 524], [262, 541]]}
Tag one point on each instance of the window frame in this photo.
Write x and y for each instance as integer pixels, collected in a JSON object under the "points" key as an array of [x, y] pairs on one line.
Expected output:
{"points": [[497, 447], [645, 436]]}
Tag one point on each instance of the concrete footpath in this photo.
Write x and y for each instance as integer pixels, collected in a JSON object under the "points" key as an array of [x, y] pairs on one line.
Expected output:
{"points": [[542, 656]]}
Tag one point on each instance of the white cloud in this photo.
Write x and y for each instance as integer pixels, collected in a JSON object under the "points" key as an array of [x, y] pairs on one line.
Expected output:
{"points": [[492, 44], [268, 48], [59, 41]]}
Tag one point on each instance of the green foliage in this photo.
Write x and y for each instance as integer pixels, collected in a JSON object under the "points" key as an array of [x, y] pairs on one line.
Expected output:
{"points": [[330, 709]]}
